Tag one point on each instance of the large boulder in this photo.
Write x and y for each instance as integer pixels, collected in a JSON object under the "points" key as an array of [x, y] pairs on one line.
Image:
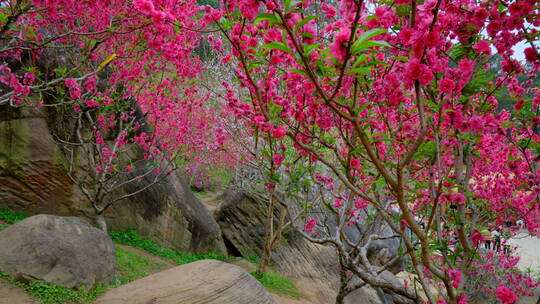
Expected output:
{"points": [[242, 219], [169, 213], [34, 179], [206, 281], [61, 250]]}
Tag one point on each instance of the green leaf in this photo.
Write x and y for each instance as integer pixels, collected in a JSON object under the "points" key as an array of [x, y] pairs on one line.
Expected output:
{"points": [[307, 35], [362, 107], [310, 48], [291, 4], [370, 34], [303, 22], [401, 58], [430, 103], [273, 19], [274, 45], [359, 70], [274, 110], [360, 59], [358, 47], [300, 72]]}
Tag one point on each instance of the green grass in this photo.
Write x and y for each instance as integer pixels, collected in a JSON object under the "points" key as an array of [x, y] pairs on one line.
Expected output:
{"points": [[131, 266], [277, 284], [201, 194], [47, 293], [11, 217], [254, 259], [130, 237]]}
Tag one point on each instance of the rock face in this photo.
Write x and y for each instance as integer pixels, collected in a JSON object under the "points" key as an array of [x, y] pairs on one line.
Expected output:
{"points": [[171, 215], [34, 180], [206, 281], [242, 220], [61, 250], [32, 170]]}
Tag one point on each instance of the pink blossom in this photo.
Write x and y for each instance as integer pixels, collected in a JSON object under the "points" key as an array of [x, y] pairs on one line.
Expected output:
{"points": [[23, 91], [446, 86], [476, 237], [249, 8], [440, 300], [462, 299], [309, 227], [71, 83], [74, 93], [91, 103], [355, 163], [279, 132], [531, 55], [329, 10], [278, 159], [505, 295], [145, 6], [482, 46], [402, 2], [360, 204], [459, 198], [270, 5], [29, 78], [455, 277], [338, 48]]}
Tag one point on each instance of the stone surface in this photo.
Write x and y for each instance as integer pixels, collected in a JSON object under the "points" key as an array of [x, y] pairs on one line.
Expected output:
{"points": [[242, 221], [171, 215], [34, 180], [206, 281], [32, 171], [61, 250]]}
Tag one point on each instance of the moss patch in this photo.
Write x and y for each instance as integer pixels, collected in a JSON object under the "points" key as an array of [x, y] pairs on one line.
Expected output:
{"points": [[14, 139], [131, 266], [47, 293], [130, 237], [11, 217], [277, 284]]}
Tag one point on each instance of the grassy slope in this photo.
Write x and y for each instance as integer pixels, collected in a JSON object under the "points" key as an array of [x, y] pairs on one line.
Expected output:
{"points": [[129, 267]]}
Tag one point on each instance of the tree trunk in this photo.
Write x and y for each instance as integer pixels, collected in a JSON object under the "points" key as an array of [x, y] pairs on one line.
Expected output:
{"points": [[101, 223], [341, 296], [267, 246]]}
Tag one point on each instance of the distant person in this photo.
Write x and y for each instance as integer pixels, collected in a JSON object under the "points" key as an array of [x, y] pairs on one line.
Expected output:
{"points": [[488, 238], [520, 224], [497, 238]]}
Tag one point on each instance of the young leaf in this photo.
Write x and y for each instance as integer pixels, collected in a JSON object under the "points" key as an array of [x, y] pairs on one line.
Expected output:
{"points": [[278, 46], [303, 22]]}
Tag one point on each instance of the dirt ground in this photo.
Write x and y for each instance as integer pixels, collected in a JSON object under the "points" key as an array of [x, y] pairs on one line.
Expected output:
{"points": [[529, 251], [14, 295]]}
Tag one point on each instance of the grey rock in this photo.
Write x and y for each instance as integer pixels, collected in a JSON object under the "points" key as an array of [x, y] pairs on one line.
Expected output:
{"points": [[61, 250], [242, 221], [34, 180], [206, 281]]}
